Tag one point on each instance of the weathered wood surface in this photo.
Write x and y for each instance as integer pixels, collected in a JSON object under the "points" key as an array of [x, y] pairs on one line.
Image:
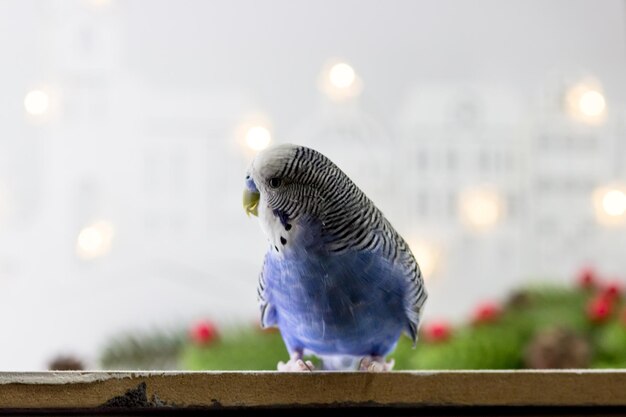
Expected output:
{"points": [[219, 390]]}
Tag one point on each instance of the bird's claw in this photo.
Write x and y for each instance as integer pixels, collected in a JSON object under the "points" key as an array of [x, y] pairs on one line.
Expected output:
{"points": [[295, 364], [376, 364]]}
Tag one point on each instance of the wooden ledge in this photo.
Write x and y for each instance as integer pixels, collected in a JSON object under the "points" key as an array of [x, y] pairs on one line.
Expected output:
{"points": [[234, 390]]}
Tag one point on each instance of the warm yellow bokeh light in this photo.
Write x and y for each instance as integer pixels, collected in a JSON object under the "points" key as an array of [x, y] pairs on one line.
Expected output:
{"points": [[592, 103], [94, 240], [481, 209], [36, 102], [610, 204], [614, 202], [341, 75], [428, 256], [258, 138], [339, 81], [585, 102]]}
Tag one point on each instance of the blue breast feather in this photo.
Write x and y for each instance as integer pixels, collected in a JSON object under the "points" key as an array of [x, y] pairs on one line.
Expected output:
{"points": [[352, 303]]}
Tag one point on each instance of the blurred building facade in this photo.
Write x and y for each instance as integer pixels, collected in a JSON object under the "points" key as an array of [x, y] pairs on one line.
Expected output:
{"points": [[533, 169]]}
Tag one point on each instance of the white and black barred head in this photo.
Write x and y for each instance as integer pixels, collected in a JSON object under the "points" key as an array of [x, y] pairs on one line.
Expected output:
{"points": [[295, 180]]}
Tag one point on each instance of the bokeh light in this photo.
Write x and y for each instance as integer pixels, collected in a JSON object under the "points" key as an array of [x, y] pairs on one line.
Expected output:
{"points": [[610, 204], [592, 103], [94, 240], [481, 208], [341, 75], [36, 102], [258, 138], [428, 256], [585, 102], [614, 202], [339, 81]]}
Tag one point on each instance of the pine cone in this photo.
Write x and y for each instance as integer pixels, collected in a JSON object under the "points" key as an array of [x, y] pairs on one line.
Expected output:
{"points": [[519, 300], [557, 348], [66, 363]]}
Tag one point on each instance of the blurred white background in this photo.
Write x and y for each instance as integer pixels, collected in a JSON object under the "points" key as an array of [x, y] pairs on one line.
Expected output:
{"points": [[491, 133]]}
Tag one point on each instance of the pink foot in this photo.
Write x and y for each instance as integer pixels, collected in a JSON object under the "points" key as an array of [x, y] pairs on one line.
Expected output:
{"points": [[376, 364], [295, 364]]}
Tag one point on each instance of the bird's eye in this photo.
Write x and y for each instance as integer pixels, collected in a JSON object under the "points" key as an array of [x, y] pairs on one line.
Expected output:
{"points": [[275, 182]]}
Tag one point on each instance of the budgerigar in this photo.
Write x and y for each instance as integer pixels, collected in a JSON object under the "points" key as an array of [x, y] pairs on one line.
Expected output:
{"points": [[338, 280]]}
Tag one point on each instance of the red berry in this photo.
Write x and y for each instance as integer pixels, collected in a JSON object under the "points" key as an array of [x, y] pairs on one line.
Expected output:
{"points": [[437, 331], [599, 309], [204, 332], [587, 278], [486, 313], [612, 290]]}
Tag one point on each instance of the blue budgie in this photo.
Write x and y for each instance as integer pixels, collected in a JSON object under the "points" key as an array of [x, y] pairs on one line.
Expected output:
{"points": [[338, 280]]}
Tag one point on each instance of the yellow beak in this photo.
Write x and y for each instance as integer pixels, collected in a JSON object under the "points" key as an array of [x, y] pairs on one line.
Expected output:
{"points": [[251, 202]]}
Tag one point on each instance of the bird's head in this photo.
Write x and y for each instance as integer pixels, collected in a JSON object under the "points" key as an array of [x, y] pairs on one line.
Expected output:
{"points": [[271, 178], [290, 180]]}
